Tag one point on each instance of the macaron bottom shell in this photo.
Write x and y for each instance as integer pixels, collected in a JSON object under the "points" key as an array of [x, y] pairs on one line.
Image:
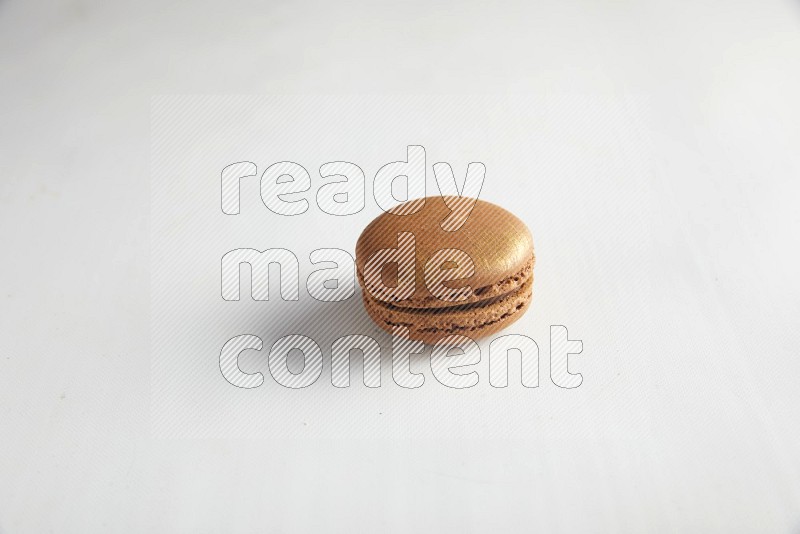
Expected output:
{"points": [[474, 320]]}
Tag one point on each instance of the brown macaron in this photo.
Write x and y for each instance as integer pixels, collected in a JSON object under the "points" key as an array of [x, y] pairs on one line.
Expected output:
{"points": [[426, 266]]}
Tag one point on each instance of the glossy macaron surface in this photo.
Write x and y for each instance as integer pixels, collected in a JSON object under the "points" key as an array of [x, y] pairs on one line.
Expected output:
{"points": [[498, 243]]}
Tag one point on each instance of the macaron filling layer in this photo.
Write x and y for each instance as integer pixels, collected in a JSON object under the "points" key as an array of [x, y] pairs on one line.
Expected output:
{"points": [[500, 288], [465, 318]]}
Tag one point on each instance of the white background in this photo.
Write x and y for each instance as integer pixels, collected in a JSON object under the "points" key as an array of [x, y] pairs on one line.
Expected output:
{"points": [[662, 177]]}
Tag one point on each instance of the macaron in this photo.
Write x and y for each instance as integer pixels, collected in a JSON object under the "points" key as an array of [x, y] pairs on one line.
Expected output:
{"points": [[427, 267]]}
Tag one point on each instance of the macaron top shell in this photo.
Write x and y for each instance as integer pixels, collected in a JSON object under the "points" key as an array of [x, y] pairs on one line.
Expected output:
{"points": [[498, 243]]}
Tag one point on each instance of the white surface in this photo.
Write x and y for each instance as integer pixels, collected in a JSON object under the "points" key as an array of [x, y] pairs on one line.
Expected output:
{"points": [[687, 418]]}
